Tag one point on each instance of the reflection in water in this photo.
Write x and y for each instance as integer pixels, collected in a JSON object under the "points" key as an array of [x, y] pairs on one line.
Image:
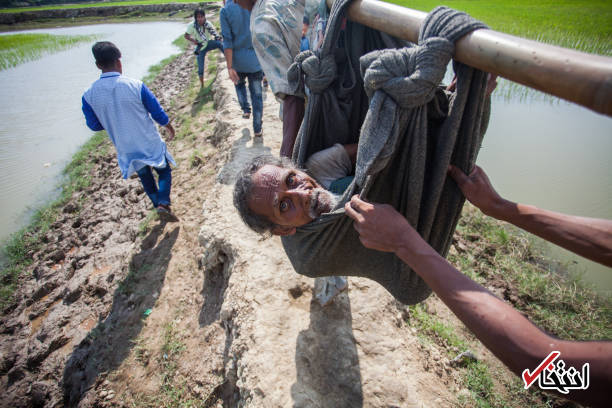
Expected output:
{"points": [[555, 155], [41, 123]]}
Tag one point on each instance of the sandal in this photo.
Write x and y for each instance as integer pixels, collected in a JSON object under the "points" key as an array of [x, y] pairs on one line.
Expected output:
{"points": [[246, 115], [260, 134]]}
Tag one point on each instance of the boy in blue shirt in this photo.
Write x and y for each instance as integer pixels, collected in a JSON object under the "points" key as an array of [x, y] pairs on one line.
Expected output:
{"points": [[124, 107]]}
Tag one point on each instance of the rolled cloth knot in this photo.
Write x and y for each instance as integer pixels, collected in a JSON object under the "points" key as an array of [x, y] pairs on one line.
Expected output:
{"points": [[409, 75], [317, 73]]}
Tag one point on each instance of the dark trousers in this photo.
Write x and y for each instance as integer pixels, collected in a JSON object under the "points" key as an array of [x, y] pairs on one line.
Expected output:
{"points": [[158, 192]]}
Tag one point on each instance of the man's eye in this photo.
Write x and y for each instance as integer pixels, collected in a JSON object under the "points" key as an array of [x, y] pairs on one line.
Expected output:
{"points": [[290, 180], [283, 206]]}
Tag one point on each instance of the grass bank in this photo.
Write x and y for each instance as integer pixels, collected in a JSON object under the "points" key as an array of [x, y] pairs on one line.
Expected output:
{"points": [[21, 245], [99, 4], [18, 48], [585, 25]]}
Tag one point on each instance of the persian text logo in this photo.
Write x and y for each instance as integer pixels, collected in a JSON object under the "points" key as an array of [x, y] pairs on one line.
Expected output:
{"points": [[556, 377]]}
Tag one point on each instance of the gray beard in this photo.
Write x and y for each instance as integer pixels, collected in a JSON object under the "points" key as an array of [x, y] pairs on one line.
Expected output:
{"points": [[321, 201]]}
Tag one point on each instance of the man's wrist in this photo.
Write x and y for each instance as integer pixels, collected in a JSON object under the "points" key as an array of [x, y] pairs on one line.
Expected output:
{"points": [[409, 245], [501, 209]]}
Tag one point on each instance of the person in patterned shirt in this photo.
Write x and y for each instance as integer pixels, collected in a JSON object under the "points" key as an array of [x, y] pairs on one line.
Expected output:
{"points": [[196, 33], [276, 32]]}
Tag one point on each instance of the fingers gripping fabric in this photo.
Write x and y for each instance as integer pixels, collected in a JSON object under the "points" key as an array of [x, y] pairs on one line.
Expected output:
{"points": [[411, 130]]}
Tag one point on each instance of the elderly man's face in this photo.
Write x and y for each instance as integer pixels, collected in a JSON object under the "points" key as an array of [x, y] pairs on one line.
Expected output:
{"points": [[288, 197]]}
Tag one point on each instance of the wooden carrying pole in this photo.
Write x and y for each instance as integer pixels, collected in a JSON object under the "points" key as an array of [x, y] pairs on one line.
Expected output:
{"points": [[585, 79]]}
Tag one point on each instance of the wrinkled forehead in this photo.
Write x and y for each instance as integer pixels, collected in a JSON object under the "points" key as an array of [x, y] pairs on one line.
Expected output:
{"points": [[266, 183], [269, 176]]}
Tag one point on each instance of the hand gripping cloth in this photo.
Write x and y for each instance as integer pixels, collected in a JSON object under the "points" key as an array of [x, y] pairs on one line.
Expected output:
{"points": [[411, 130]]}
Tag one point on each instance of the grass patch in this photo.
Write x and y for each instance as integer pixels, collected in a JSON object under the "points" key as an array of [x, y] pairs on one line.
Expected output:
{"points": [[434, 328], [204, 96], [18, 48], [585, 25], [554, 300], [173, 391], [145, 226], [476, 376], [98, 4], [195, 159]]}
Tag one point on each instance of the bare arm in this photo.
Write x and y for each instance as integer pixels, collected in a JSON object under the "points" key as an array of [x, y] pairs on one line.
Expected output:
{"points": [[517, 342], [190, 38], [229, 55], [588, 237]]}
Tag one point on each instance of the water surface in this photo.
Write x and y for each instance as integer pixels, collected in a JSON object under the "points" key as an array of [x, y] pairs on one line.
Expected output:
{"points": [[554, 155]]}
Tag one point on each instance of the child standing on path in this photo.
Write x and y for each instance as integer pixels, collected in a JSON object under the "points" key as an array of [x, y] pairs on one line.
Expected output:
{"points": [[124, 107], [196, 33]]}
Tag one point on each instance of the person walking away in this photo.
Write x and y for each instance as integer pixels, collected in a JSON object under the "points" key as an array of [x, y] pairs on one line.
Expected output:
{"points": [[242, 62], [124, 107], [276, 29]]}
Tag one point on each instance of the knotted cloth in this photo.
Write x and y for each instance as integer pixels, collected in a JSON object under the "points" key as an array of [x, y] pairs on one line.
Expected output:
{"points": [[411, 131]]}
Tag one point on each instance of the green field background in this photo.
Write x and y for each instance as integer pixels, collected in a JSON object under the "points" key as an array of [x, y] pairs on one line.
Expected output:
{"points": [[585, 25]]}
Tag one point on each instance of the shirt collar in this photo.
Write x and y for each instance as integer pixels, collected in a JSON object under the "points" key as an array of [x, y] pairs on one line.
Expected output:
{"points": [[109, 74]]}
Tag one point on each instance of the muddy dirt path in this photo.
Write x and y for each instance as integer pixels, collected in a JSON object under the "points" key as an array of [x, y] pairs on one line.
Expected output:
{"points": [[121, 309]]}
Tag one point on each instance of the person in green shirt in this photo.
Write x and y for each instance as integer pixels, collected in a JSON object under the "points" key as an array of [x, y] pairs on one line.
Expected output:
{"points": [[198, 33]]}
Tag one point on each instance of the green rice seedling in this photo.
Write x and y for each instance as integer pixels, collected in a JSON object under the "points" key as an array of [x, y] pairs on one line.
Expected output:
{"points": [[18, 48], [98, 4], [585, 25]]}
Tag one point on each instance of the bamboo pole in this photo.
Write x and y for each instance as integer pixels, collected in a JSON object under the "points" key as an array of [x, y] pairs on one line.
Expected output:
{"points": [[585, 79]]}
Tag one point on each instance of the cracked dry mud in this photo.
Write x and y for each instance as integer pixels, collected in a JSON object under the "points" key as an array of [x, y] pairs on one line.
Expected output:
{"points": [[242, 326]]}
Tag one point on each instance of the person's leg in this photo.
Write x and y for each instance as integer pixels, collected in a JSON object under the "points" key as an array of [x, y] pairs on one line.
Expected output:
{"points": [[212, 45], [255, 89], [200, 58], [148, 184], [241, 93], [165, 184]]}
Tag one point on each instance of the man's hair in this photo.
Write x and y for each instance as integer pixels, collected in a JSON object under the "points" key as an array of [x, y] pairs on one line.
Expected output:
{"points": [[198, 12], [106, 53], [244, 186]]}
